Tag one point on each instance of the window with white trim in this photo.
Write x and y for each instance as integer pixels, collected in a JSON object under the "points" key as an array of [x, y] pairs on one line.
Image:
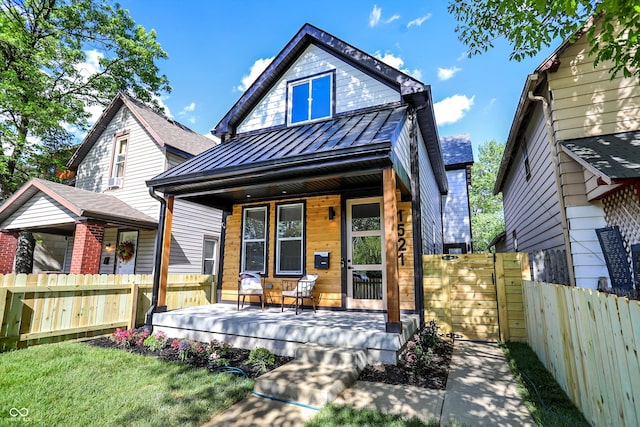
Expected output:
{"points": [[290, 239], [209, 253], [117, 168], [254, 239], [310, 99]]}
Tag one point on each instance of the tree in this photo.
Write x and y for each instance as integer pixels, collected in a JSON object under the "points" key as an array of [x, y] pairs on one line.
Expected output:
{"points": [[530, 25], [487, 218], [58, 57]]}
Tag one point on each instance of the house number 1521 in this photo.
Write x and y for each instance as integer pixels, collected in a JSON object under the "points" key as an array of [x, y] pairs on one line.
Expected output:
{"points": [[402, 242]]}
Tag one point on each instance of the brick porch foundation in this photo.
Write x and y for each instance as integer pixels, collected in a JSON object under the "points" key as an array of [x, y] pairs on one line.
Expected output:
{"points": [[8, 245], [87, 248]]}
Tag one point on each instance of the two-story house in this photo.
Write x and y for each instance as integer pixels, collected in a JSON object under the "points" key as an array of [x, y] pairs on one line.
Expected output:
{"points": [[456, 217], [571, 166], [330, 155], [107, 223]]}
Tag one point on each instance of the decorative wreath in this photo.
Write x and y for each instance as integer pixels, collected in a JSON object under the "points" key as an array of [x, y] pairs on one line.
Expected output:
{"points": [[125, 251]]}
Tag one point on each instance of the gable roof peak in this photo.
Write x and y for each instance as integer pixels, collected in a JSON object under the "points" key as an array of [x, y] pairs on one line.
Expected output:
{"points": [[307, 35]]}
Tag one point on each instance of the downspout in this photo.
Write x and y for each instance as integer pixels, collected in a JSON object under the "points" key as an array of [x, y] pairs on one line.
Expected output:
{"points": [[553, 143], [418, 281], [157, 261]]}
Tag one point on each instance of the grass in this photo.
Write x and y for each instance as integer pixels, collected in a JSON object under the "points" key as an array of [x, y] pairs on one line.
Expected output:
{"points": [[548, 403], [76, 384], [345, 416]]}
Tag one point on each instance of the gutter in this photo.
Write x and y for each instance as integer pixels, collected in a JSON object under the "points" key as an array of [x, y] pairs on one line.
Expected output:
{"points": [[553, 145], [148, 326]]}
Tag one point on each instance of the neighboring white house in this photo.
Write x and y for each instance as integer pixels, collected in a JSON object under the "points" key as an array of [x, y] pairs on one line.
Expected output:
{"points": [[571, 166], [107, 223], [456, 211]]}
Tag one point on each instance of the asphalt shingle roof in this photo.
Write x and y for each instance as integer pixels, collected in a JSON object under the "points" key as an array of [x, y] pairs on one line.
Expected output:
{"points": [[616, 156]]}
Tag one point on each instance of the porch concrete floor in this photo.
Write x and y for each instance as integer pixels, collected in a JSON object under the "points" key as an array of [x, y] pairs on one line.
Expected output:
{"points": [[283, 332]]}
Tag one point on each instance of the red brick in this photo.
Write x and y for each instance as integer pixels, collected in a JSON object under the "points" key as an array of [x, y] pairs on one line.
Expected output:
{"points": [[87, 248], [8, 245]]}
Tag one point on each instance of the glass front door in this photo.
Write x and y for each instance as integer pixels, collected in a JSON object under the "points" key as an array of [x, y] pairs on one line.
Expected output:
{"points": [[366, 281]]}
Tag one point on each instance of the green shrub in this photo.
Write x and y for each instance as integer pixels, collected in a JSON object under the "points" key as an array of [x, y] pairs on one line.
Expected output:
{"points": [[156, 341], [219, 353], [418, 353], [261, 359]]}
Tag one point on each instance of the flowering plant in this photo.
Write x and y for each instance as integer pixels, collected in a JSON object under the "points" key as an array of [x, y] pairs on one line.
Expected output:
{"points": [[418, 352], [128, 337], [125, 251], [186, 348]]}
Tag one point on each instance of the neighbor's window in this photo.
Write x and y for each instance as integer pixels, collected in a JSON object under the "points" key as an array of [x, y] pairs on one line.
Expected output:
{"points": [[290, 239], [254, 239], [525, 158], [310, 99], [117, 168], [209, 251]]}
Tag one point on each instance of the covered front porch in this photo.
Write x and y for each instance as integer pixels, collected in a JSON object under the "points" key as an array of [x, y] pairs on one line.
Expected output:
{"points": [[283, 332]]}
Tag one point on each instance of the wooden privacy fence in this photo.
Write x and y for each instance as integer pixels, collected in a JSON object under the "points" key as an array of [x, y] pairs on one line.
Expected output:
{"points": [[41, 308], [477, 296], [590, 342]]}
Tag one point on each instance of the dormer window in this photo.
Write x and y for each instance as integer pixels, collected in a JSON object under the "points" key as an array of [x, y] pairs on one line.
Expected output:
{"points": [[310, 98], [117, 165]]}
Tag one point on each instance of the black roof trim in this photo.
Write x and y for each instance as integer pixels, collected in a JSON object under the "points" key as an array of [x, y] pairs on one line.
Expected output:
{"points": [[307, 35]]}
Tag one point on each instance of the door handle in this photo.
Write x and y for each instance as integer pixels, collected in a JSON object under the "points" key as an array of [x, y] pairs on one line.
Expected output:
{"points": [[349, 268]]}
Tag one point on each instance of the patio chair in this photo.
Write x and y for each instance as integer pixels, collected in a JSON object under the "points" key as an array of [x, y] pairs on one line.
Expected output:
{"points": [[303, 289], [250, 284]]}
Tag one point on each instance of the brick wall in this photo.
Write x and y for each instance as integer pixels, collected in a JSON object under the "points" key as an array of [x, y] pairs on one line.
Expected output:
{"points": [[8, 245], [87, 248]]}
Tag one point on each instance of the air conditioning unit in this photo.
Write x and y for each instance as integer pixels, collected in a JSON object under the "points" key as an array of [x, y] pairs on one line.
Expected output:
{"points": [[115, 182]]}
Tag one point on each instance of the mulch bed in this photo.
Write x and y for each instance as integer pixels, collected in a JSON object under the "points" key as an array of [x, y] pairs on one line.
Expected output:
{"points": [[237, 357], [399, 374], [436, 377]]}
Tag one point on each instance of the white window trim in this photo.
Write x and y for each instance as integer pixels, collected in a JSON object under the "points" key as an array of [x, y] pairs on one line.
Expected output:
{"points": [[286, 239], [264, 239], [309, 80], [214, 258], [115, 180]]}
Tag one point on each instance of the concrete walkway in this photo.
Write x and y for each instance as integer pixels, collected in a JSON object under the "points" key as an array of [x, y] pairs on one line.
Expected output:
{"points": [[480, 391]]}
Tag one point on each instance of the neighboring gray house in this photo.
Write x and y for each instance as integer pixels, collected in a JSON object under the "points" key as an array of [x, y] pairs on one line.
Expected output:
{"points": [[110, 211], [456, 211], [571, 165]]}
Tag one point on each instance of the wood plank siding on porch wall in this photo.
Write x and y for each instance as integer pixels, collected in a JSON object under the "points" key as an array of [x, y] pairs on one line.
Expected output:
{"points": [[321, 235]]}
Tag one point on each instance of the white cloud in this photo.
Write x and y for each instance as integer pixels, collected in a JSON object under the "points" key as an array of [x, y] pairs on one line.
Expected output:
{"points": [[393, 18], [374, 16], [447, 73], [452, 109], [418, 21], [186, 113], [397, 63], [256, 69]]}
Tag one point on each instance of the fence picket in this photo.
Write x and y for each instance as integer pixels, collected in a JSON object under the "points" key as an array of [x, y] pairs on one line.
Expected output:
{"points": [[48, 308]]}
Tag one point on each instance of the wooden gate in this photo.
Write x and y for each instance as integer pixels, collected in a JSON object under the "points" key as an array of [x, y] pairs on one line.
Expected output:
{"points": [[477, 296]]}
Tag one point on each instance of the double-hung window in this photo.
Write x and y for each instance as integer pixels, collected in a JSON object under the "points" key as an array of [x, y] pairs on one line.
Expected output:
{"points": [[310, 99], [290, 239], [254, 239], [118, 163], [210, 247]]}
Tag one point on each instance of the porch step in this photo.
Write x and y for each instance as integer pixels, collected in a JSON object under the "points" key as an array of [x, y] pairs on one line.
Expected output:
{"points": [[316, 377]]}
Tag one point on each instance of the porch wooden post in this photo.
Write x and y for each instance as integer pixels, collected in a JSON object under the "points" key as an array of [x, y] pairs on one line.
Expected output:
{"points": [[166, 252], [391, 250]]}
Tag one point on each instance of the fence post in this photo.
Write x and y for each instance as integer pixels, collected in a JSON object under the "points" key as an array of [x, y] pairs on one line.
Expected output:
{"points": [[134, 305], [3, 306], [501, 297]]}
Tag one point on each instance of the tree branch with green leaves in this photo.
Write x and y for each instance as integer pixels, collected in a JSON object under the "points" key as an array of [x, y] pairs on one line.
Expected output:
{"points": [[530, 25], [46, 82]]}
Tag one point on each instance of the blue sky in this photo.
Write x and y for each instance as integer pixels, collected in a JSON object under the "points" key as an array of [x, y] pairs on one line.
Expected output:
{"points": [[214, 47]]}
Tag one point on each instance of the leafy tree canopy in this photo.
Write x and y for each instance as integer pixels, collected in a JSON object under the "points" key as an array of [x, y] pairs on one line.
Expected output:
{"points": [[530, 25], [487, 219], [58, 57]]}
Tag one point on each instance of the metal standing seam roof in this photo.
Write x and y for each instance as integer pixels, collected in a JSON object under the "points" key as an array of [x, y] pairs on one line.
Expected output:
{"points": [[313, 142], [456, 150], [81, 202], [613, 156]]}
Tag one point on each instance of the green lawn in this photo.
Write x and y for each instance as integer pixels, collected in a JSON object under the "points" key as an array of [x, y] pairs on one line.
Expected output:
{"points": [[548, 403], [71, 384], [344, 416]]}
